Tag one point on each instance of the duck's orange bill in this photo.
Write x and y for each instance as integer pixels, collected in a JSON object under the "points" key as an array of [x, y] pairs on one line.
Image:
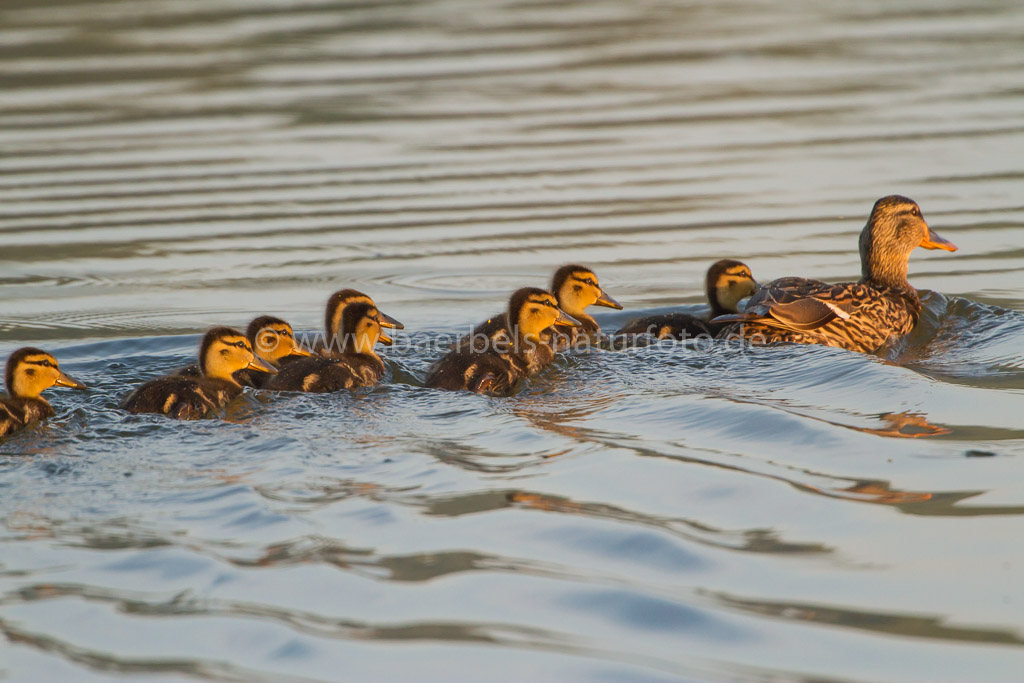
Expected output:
{"points": [[933, 241]]}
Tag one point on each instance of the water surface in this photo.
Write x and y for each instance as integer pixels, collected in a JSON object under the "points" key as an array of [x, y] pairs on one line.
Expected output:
{"points": [[669, 513]]}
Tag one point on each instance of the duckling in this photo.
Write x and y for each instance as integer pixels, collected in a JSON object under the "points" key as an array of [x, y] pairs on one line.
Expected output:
{"points": [[222, 352], [859, 316], [331, 346], [29, 372], [356, 365], [510, 348], [727, 282], [273, 340], [576, 288]]}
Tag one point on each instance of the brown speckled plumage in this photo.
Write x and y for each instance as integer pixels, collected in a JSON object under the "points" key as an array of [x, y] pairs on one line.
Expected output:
{"points": [[859, 316]]}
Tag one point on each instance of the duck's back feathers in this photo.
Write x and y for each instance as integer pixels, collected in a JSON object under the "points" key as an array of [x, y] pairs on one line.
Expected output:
{"points": [[10, 417], [181, 397], [488, 362], [16, 413], [679, 326], [322, 375], [852, 315], [484, 373]]}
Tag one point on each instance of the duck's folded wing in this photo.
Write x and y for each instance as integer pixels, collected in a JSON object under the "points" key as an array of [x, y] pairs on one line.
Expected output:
{"points": [[806, 314], [795, 304]]}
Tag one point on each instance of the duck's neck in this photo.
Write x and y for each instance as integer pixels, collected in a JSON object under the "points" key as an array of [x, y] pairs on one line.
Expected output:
{"points": [[23, 390], [588, 324], [884, 269], [881, 264], [717, 308], [359, 344]]}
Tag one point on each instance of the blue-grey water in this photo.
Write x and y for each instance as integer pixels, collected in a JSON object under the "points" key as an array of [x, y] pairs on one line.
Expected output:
{"points": [[669, 513]]}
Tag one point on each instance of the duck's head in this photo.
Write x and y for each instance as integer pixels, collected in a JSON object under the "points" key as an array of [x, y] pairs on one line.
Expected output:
{"points": [[361, 325], [340, 300], [576, 287], [31, 371], [895, 228], [728, 281], [533, 310], [224, 351], [273, 339]]}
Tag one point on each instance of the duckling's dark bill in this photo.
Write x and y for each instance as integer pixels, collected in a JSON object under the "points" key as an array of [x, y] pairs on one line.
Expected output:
{"points": [[935, 241], [65, 380], [566, 320], [387, 321], [261, 365], [385, 340], [605, 300]]}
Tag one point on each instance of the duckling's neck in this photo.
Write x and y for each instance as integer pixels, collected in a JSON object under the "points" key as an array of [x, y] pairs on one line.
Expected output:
{"points": [[218, 372], [717, 307], [587, 322], [24, 390], [359, 344]]}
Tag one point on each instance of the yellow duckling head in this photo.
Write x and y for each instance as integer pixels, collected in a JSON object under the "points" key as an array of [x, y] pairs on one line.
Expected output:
{"points": [[273, 339], [340, 300], [895, 228], [224, 351], [31, 371], [361, 329], [576, 287], [728, 281], [534, 310]]}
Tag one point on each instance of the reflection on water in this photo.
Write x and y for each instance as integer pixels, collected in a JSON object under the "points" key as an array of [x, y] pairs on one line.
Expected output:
{"points": [[661, 513]]}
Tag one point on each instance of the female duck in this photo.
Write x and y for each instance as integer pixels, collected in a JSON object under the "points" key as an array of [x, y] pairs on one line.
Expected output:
{"points": [[356, 364], [727, 282], [222, 352], [507, 348], [860, 316], [29, 372], [273, 340], [331, 346]]}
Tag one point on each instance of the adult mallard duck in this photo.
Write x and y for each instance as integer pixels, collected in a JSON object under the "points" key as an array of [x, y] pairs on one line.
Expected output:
{"points": [[355, 364], [222, 352], [860, 316], [29, 372], [331, 345], [509, 348], [727, 282], [273, 340]]}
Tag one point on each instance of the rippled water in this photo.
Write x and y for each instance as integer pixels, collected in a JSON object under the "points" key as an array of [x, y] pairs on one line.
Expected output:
{"points": [[661, 514]]}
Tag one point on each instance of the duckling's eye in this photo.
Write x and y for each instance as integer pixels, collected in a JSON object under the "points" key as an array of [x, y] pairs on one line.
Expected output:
{"points": [[915, 211]]}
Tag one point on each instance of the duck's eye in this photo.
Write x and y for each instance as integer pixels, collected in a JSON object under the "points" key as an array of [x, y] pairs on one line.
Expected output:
{"points": [[915, 211]]}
